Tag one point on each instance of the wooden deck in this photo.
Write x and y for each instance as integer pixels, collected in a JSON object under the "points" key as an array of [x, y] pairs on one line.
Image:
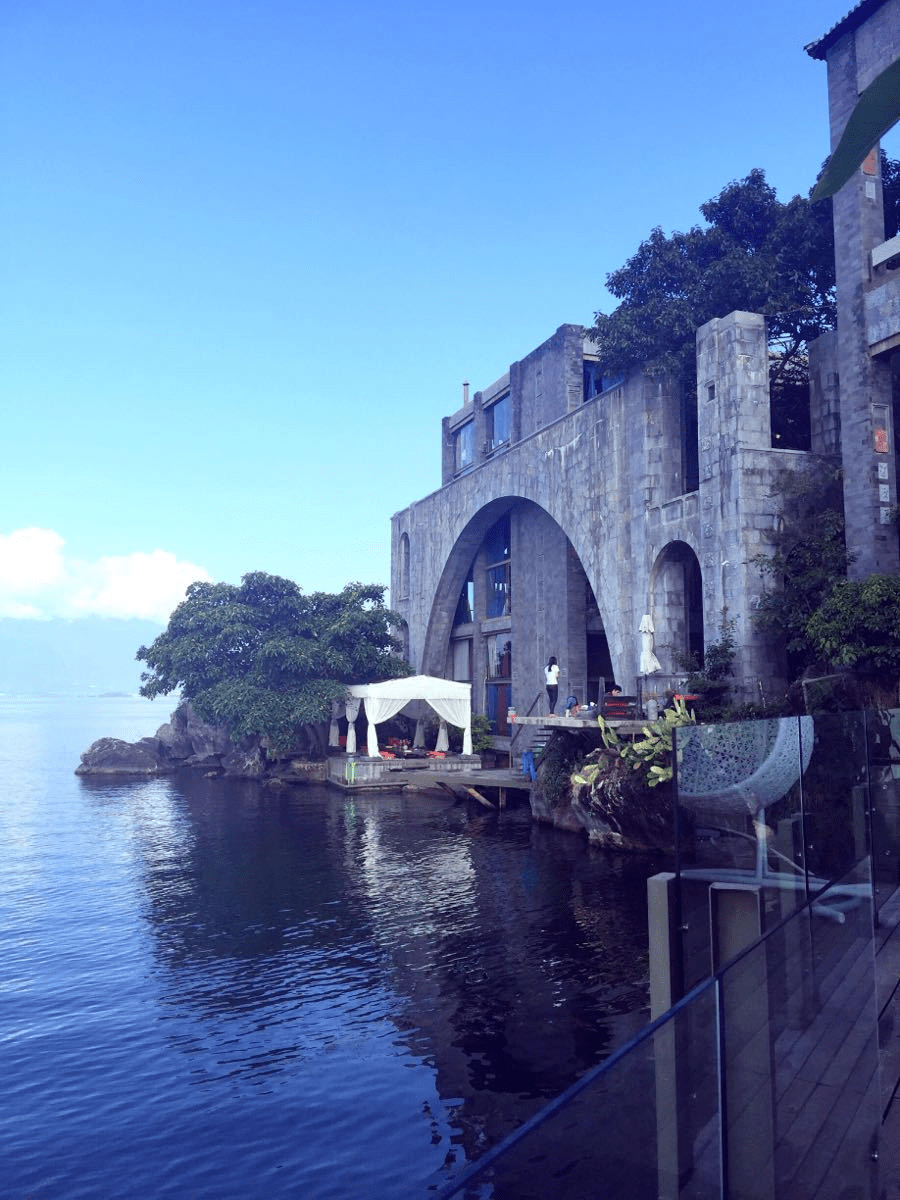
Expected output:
{"points": [[550, 723]]}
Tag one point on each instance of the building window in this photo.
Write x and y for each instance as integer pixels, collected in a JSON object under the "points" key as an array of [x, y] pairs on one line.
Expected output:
{"points": [[498, 423], [461, 663], [465, 606], [464, 442], [496, 546], [497, 695], [592, 378], [499, 656]]}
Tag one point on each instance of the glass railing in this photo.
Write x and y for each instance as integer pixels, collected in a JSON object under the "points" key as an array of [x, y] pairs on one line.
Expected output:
{"points": [[763, 1080]]}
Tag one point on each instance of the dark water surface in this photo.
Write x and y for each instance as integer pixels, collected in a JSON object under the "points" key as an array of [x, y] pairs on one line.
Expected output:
{"points": [[211, 989]]}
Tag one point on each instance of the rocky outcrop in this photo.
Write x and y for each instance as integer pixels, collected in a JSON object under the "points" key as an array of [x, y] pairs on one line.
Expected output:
{"points": [[112, 756], [623, 814], [615, 809], [188, 741]]}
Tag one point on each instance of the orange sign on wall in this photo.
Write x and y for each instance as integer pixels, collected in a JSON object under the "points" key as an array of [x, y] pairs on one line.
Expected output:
{"points": [[881, 441]]}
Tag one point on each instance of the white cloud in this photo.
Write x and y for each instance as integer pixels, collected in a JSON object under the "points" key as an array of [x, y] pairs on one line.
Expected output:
{"points": [[30, 561], [37, 580]]}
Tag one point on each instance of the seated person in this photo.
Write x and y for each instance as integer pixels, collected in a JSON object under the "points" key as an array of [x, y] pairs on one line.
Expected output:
{"points": [[571, 706]]}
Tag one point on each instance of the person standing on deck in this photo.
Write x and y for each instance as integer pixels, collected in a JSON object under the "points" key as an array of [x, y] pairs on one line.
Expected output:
{"points": [[551, 674]]}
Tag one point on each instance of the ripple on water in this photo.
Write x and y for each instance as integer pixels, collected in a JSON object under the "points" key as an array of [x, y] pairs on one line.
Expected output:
{"points": [[211, 991]]}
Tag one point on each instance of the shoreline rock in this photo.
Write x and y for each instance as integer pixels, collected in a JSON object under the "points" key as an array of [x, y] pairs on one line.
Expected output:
{"points": [[186, 741]]}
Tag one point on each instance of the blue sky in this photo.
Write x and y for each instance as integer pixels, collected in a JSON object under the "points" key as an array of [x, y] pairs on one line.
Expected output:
{"points": [[250, 251]]}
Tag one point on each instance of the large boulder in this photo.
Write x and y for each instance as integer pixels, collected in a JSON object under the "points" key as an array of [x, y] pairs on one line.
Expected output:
{"points": [[112, 756], [247, 760], [188, 738]]}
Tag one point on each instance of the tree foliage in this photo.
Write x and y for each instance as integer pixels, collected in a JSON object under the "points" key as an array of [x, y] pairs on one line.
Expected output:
{"points": [[265, 659], [810, 557], [858, 625], [754, 254]]}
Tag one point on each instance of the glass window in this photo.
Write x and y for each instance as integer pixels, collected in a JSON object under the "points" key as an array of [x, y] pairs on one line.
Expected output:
{"points": [[497, 706], [462, 659], [498, 423], [498, 597], [499, 656], [496, 543], [465, 606], [464, 439], [496, 549]]}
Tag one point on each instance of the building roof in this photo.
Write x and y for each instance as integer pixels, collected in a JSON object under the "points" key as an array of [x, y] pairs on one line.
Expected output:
{"points": [[854, 18]]}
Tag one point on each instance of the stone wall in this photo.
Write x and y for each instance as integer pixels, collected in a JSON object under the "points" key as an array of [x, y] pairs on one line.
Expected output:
{"points": [[594, 494]]}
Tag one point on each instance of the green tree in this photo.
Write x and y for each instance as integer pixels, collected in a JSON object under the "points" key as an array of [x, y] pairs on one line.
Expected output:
{"points": [[754, 254], [858, 625], [265, 659], [810, 557]]}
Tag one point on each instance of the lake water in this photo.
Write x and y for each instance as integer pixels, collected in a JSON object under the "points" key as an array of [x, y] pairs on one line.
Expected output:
{"points": [[213, 989]]}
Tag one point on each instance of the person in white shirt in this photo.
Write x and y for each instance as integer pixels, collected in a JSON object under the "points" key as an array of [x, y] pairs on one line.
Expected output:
{"points": [[551, 674]]}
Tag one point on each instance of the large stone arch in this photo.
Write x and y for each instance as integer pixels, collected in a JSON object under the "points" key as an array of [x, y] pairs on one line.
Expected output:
{"points": [[676, 592], [556, 608]]}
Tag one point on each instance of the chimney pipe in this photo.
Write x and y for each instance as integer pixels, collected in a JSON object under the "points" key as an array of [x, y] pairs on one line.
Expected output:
{"points": [[465, 392]]}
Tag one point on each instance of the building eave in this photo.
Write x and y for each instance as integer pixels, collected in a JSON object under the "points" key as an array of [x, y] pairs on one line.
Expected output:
{"points": [[854, 18]]}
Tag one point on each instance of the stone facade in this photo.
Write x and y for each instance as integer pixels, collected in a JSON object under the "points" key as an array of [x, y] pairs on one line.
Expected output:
{"points": [[856, 50], [557, 537]]}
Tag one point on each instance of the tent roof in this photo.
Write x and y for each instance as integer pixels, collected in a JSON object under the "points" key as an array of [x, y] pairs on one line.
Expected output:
{"points": [[415, 687]]}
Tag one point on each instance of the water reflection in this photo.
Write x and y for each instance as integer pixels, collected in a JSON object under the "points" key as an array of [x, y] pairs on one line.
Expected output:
{"points": [[431, 973]]}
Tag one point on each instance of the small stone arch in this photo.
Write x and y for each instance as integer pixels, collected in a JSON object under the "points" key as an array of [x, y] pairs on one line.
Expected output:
{"points": [[676, 592]]}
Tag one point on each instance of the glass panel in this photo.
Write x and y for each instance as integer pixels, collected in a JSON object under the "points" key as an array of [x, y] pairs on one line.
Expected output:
{"points": [[462, 659], [498, 423], [738, 821], [883, 740], [499, 656], [835, 796], [498, 591], [465, 446], [465, 606], [800, 1053], [643, 1125], [497, 707], [496, 542]]}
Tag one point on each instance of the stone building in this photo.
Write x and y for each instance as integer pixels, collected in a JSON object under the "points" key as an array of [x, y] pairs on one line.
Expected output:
{"points": [[857, 358], [571, 506]]}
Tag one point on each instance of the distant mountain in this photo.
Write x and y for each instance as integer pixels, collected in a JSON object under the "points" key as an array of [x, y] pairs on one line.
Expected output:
{"points": [[92, 655]]}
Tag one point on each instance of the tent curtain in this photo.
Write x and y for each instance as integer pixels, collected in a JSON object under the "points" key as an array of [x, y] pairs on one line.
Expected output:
{"points": [[378, 709], [454, 712], [451, 700], [352, 707], [334, 733]]}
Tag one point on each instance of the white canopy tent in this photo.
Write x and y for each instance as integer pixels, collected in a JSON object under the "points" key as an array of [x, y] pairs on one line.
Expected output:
{"points": [[452, 701]]}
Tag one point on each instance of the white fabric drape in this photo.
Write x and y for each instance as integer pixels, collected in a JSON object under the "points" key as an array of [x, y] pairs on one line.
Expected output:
{"points": [[419, 739], [454, 712], [352, 707], [334, 733], [649, 661], [378, 709], [450, 699], [443, 737]]}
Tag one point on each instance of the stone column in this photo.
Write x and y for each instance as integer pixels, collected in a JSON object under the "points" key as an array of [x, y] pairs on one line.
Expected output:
{"points": [[867, 433]]}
